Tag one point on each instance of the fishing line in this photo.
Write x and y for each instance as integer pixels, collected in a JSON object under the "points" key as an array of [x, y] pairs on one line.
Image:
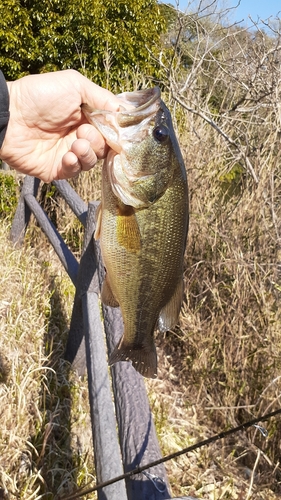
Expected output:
{"points": [[200, 444]]}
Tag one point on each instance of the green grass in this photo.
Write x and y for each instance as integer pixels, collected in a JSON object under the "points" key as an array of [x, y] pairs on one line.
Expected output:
{"points": [[9, 193]]}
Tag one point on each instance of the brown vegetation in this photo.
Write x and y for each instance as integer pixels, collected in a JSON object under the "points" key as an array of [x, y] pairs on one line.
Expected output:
{"points": [[226, 352]]}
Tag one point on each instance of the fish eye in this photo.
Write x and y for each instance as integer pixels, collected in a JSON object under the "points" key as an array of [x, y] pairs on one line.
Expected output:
{"points": [[161, 133]]}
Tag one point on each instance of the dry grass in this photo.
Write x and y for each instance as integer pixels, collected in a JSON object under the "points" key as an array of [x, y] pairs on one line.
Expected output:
{"points": [[45, 431], [221, 366], [223, 360], [217, 369], [88, 186], [45, 446]]}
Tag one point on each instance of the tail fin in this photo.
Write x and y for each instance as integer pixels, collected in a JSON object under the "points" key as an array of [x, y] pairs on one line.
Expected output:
{"points": [[144, 359]]}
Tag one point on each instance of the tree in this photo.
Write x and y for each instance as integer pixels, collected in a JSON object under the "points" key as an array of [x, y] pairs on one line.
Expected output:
{"points": [[106, 40], [16, 39]]}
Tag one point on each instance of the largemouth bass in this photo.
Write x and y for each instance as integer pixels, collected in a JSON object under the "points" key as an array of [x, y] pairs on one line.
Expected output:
{"points": [[142, 222]]}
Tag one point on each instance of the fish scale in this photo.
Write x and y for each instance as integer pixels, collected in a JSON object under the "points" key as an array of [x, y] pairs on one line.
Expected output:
{"points": [[143, 224]]}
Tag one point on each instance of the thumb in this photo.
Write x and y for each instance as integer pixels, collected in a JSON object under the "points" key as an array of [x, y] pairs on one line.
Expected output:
{"points": [[97, 97]]}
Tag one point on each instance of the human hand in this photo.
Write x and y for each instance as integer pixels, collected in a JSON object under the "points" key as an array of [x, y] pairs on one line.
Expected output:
{"points": [[48, 136]]}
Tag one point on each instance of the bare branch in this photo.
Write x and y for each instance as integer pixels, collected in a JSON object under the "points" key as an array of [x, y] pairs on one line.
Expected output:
{"points": [[249, 166]]}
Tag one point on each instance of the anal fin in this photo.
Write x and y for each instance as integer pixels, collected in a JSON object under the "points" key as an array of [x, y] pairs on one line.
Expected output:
{"points": [[169, 314]]}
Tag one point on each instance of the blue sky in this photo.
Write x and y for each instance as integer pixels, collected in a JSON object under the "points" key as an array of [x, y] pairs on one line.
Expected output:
{"points": [[255, 8]]}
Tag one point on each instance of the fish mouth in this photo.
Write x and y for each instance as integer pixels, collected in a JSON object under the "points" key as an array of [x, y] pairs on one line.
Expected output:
{"points": [[130, 122], [146, 103], [134, 108]]}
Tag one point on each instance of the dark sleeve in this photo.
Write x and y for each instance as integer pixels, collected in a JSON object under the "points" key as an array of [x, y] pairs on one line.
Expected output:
{"points": [[4, 108]]}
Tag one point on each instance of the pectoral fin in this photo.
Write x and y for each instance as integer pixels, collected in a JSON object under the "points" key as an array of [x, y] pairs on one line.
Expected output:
{"points": [[128, 233], [107, 296], [169, 315]]}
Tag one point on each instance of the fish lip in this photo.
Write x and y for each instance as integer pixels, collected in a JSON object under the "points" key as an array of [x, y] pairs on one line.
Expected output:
{"points": [[139, 98], [143, 101]]}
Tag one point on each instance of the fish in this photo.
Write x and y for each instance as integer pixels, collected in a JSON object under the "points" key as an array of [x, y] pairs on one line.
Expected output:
{"points": [[142, 222]]}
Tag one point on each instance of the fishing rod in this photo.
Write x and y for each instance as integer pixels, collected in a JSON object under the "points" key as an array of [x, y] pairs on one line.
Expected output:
{"points": [[138, 470]]}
